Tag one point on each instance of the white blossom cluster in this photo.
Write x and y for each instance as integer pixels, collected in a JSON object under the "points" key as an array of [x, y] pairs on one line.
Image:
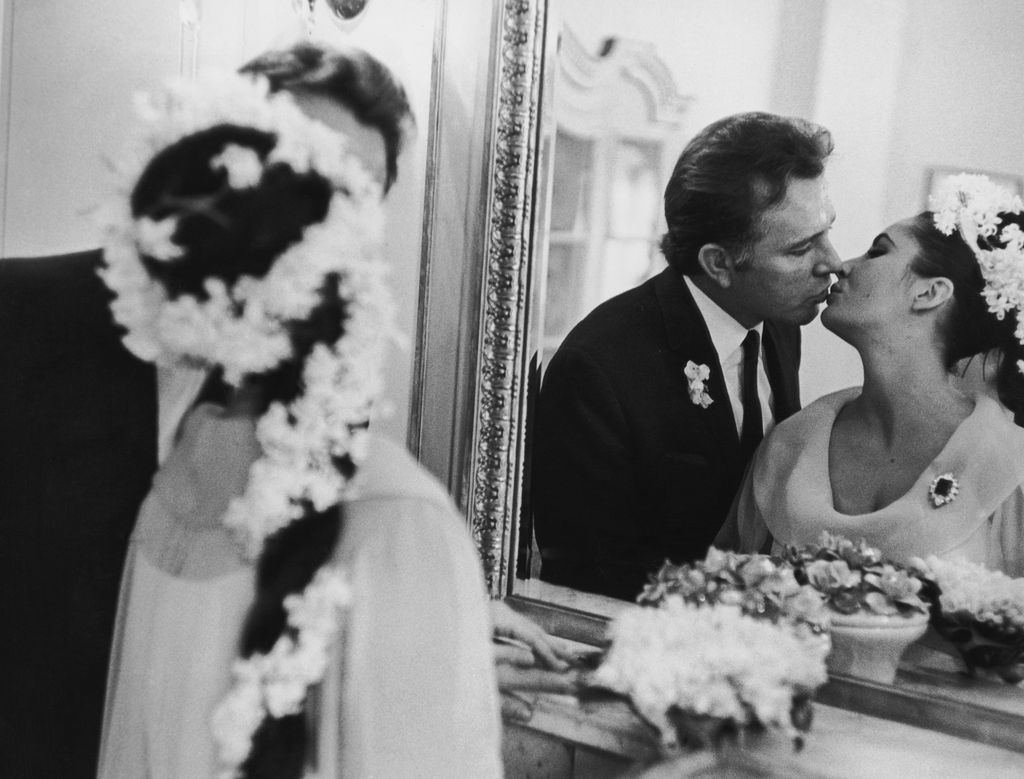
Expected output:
{"points": [[275, 684], [242, 329], [971, 204], [711, 661], [973, 591]]}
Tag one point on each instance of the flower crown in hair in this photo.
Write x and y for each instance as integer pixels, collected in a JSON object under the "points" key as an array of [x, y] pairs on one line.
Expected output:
{"points": [[972, 204], [243, 329]]}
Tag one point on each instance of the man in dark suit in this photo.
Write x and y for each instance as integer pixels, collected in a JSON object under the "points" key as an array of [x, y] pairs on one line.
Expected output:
{"points": [[654, 402], [80, 420]]}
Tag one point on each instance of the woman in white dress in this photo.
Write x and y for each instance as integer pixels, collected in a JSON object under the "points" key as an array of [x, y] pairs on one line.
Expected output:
{"points": [[300, 597], [911, 462]]}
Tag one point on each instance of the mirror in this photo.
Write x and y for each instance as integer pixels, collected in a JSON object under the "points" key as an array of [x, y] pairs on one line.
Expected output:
{"points": [[907, 88]]}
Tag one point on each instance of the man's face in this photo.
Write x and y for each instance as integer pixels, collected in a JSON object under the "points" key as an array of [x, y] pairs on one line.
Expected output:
{"points": [[365, 142], [787, 270]]}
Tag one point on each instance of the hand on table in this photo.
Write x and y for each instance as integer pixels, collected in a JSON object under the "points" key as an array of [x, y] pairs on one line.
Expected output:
{"points": [[527, 660]]}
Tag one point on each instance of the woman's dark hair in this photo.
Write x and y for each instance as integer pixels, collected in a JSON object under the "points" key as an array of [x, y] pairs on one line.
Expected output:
{"points": [[729, 174], [970, 330], [351, 78], [226, 233]]}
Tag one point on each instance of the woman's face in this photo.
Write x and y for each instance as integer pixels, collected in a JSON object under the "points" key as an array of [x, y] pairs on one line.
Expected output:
{"points": [[875, 292]]}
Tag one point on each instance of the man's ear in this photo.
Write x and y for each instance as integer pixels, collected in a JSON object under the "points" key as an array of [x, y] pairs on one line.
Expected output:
{"points": [[718, 264], [931, 293]]}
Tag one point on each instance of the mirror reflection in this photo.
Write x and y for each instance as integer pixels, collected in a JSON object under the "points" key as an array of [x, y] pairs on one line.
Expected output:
{"points": [[664, 361]]}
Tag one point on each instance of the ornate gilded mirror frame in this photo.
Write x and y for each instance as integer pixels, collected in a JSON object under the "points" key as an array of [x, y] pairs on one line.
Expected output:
{"points": [[470, 374], [497, 443]]}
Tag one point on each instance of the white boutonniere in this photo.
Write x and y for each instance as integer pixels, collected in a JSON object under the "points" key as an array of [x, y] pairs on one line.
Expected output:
{"points": [[696, 375]]}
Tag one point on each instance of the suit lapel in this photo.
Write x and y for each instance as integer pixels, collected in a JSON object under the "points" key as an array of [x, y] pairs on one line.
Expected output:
{"points": [[688, 338]]}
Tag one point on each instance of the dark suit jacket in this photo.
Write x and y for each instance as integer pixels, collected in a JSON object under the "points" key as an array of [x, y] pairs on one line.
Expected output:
{"points": [[626, 470], [78, 421]]}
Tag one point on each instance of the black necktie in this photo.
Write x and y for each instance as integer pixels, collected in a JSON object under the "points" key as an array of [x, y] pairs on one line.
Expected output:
{"points": [[753, 429]]}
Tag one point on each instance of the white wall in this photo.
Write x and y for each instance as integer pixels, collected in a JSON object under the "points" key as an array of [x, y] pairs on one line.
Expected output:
{"points": [[6, 30], [961, 95], [75, 64], [856, 85], [719, 50]]}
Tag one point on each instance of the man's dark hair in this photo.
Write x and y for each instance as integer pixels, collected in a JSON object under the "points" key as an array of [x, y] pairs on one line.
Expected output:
{"points": [[729, 174], [352, 78]]}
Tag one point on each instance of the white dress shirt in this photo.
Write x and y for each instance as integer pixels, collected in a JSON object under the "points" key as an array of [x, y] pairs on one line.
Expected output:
{"points": [[727, 337]]}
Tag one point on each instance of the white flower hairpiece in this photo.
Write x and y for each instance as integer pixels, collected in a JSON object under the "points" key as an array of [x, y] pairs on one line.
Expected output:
{"points": [[275, 683], [243, 329], [971, 204]]}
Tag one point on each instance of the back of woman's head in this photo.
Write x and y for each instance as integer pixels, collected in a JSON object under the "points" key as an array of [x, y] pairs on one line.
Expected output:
{"points": [[969, 329], [224, 232]]}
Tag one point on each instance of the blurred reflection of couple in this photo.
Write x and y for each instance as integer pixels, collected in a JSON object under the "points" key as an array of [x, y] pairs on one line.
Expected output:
{"points": [[654, 405]]}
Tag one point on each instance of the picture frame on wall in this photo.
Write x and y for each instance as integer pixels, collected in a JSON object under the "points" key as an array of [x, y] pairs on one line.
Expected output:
{"points": [[936, 175]]}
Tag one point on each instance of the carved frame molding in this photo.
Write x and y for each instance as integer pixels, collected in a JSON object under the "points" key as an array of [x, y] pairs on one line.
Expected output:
{"points": [[498, 431]]}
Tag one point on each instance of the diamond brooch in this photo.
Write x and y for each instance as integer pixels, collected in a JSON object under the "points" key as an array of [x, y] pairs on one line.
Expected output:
{"points": [[943, 489]]}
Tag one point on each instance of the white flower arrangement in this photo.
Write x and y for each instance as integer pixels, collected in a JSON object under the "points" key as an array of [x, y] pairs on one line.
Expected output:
{"points": [[696, 378], [973, 591], [243, 329], [711, 661], [971, 204], [980, 611], [275, 684]]}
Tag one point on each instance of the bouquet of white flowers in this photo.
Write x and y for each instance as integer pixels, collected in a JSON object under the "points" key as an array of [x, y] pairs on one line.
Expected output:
{"points": [[980, 612], [698, 672]]}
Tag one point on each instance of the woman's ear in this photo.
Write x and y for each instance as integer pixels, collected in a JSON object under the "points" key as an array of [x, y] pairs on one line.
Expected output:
{"points": [[717, 263], [931, 293]]}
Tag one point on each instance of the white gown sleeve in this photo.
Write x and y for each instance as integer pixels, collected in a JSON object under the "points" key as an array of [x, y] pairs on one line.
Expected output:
{"points": [[744, 529], [1006, 535], [412, 691]]}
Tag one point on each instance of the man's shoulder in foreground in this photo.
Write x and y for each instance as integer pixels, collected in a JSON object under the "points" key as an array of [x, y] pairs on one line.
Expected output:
{"points": [[79, 264], [54, 281]]}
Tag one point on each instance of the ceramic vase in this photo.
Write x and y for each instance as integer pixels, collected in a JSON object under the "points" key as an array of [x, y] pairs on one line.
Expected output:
{"points": [[869, 646]]}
